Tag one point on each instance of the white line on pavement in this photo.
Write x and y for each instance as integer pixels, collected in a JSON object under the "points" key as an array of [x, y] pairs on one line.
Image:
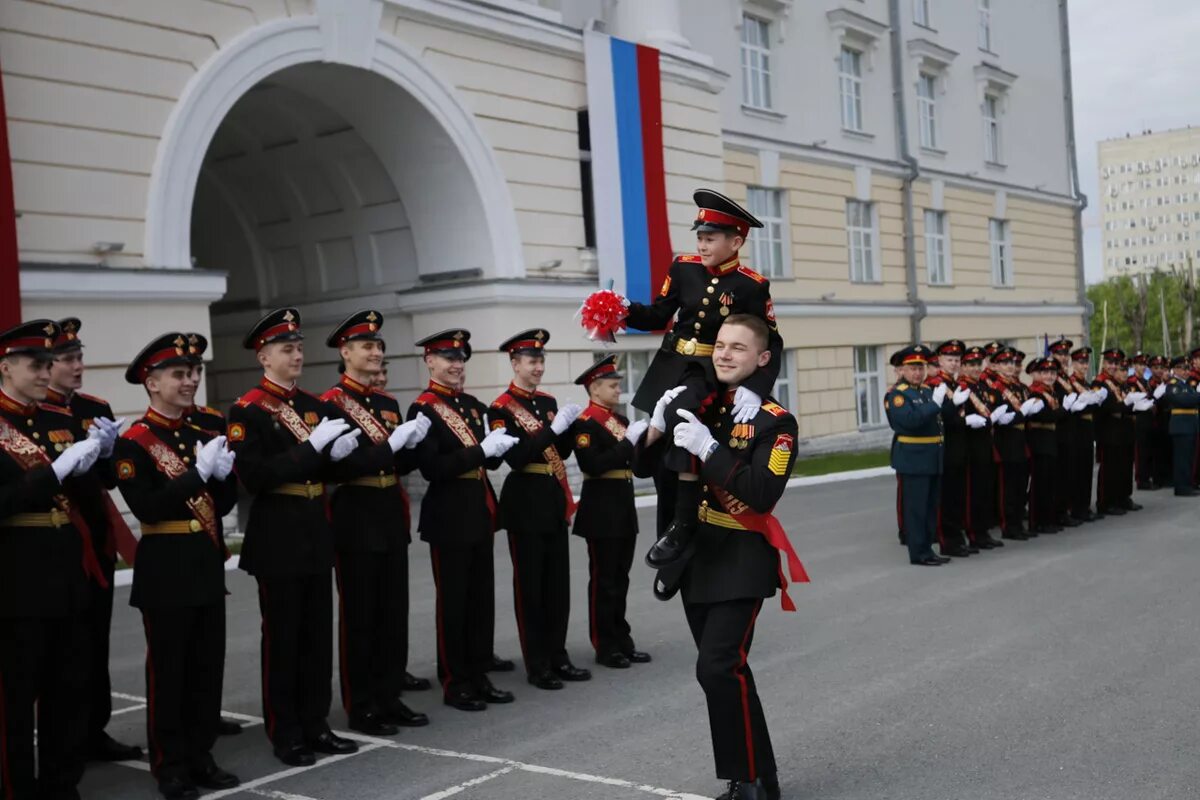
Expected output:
{"points": [[127, 709], [325, 761], [462, 787], [277, 795]]}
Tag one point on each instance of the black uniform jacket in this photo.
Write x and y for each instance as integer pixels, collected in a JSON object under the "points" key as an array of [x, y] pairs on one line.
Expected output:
{"points": [[954, 422], [286, 534], [41, 567], [206, 419], [702, 298], [979, 440], [1114, 420], [173, 569], [90, 491], [531, 501], [370, 518], [1009, 439], [606, 509], [459, 506], [1041, 429]]}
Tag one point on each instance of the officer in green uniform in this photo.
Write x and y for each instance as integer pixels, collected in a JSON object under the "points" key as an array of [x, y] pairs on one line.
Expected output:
{"points": [[1182, 403], [914, 412]]}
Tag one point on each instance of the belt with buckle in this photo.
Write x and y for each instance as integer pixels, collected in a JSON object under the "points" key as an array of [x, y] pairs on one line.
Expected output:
{"points": [[51, 519], [718, 518], [1191, 412], [538, 469], [473, 475], [309, 491], [1043, 426], [919, 439], [173, 526], [691, 347], [1088, 417], [612, 474], [374, 481]]}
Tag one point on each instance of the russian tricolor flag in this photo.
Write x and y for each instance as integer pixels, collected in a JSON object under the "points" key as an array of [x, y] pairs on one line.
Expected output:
{"points": [[629, 191]]}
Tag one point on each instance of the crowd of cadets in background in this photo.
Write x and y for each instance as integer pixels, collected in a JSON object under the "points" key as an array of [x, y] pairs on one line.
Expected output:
{"points": [[979, 450]]}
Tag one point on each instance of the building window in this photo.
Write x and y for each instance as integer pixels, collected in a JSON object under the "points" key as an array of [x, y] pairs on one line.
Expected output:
{"points": [[756, 62], [991, 129], [784, 384], [868, 398], [927, 106], [1001, 247], [850, 82], [585, 178], [937, 251], [985, 25], [921, 12], [766, 243], [860, 230], [633, 365]]}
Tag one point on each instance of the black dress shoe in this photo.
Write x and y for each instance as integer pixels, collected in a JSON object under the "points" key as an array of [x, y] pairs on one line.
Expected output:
{"points": [[749, 790], [213, 777], [400, 714], [500, 664], [464, 701], [956, 552], [1114, 511], [972, 549], [1067, 521], [372, 723], [1129, 505], [927, 561], [227, 727], [490, 694], [637, 656], [670, 548], [414, 684], [331, 744], [295, 755], [1186, 493], [570, 672], [106, 748], [1086, 516], [177, 788], [545, 680], [613, 661]]}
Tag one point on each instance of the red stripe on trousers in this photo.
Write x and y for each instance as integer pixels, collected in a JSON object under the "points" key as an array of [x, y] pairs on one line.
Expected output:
{"points": [[595, 634], [517, 600], [156, 756], [441, 632], [343, 671], [737, 671]]}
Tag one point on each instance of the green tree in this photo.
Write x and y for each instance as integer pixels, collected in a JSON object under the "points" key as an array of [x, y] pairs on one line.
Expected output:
{"points": [[1129, 311]]}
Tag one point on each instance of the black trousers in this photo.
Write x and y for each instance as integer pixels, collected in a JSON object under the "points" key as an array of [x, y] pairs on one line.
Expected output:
{"points": [[666, 486], [43, 677], [1063, 484], [1163, 452], [466, 612], [185, 667], [1181, 460], [723, 633], [1114, 486], [981, 496], [609, 562], [1143, 450], [541, 595], [1082, 472], [919, 496], [297, 657], [1013, 487], [952, 507], [100, 608], [372, 627], [1043, 504]]}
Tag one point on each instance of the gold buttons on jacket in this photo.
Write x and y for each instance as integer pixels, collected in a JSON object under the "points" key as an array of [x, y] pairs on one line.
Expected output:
{"points": [[710, 289], [704, 301]]}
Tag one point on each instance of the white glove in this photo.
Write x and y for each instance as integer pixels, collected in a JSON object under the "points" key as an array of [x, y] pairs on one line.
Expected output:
{"points": [[224, 466], [961, 396], [106, 432], [1102, 393], [976, 421], [939, 394], [425, 423], [1143, 405], [1008, 418], [1069, 400], [326, 431], [693, 435], [344, 445], [635, 430], [403, 435], [565, 416], [1028, 405], [1000, 411], [497, 443], [1160, 391], [76, 459], [1134, 397], [1082, 402], [1039, 405], [206, 456], [745, 405], [658, 420]]}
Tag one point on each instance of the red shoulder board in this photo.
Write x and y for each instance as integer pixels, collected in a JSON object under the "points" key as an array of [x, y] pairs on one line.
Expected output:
{"points": [[585, 414], [92, 397], [501, 401], [209, 410], [749, 273], [130, 433], [250, 397], [774, 409], [140, 432], [690, 259], [933, 380], [426, 398], [328, 396], [66, 412]]}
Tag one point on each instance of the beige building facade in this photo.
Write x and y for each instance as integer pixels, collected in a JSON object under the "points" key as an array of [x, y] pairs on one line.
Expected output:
{"points": [[189, 165]]}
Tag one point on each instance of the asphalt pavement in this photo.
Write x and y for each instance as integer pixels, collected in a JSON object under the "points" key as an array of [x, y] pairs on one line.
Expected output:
{"points": [[1063, 667]]}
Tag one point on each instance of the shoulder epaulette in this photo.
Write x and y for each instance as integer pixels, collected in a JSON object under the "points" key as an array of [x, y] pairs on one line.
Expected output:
{"points": [[250, 397], [749, 273], [901, 386], [336, 390], [774, 409], [689, 258], [138, 432], [502, 400], [425, 398], [935, 380], [209, 410], [66, 412], [586, 414], [92, 397], [197, 428]]}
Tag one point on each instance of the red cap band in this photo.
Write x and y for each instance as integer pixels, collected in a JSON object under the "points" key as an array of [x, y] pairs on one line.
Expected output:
{"points": [[712, 217]]}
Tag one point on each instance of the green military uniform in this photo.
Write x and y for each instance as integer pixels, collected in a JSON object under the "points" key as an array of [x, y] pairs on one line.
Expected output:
{"points": [[1182, 405]]}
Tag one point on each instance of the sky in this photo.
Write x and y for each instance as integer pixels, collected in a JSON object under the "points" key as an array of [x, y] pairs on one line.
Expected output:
{"points": [[1136, 66]]}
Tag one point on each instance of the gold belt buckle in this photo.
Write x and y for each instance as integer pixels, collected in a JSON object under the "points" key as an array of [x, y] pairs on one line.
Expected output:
{"points": [[689, 347], [59, 518], [194, 525]]}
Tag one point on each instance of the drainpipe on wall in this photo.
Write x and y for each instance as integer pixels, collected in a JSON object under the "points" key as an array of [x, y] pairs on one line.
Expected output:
{"points": [[913, 170], [1081, 201]]}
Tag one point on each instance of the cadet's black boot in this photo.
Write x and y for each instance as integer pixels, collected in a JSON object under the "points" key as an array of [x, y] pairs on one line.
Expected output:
{"points": [[670, 548]]}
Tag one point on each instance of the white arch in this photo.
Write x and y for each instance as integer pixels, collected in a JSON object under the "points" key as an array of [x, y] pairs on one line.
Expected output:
{"points": [[267, 49]]}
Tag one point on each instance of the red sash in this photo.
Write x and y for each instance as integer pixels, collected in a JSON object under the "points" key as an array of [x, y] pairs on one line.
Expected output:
{"points": [[532, 425], [606, 418], [772, 531], [29, 456], [284, 414], [459, 427], [364, 419], [202, 505]]}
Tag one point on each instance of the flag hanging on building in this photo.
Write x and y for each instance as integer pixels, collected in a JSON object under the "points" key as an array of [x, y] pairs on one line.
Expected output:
{"points": [[629, 194]]}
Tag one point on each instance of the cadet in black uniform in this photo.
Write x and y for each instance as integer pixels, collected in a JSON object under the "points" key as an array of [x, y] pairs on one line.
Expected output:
{"points": [[1160, 437], [1009, 435], [1143, 423], [370, 516], [106, 525], [536, 505], [1114, 437], [1082, 470], [607, 517], [286, 446], [458, 519], [1066, 431], [46, 562], [178, 481], [206, 418], [1181, 404], [1041, 434], [980, 516], [951, 525]]}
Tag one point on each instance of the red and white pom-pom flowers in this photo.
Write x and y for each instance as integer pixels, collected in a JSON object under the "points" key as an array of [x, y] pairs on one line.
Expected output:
{"points": [[603, 315]]}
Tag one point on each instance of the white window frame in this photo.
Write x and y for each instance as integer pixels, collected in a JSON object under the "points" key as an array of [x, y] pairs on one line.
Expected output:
{"points": [[863, 241], [850, 86], [927, 85], [869, 386], [769, 249], [784, 389], [632, 372], [922, 12], [986, 39], [993, 140], [1000, 247], [937, 248], [756, 62]]}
